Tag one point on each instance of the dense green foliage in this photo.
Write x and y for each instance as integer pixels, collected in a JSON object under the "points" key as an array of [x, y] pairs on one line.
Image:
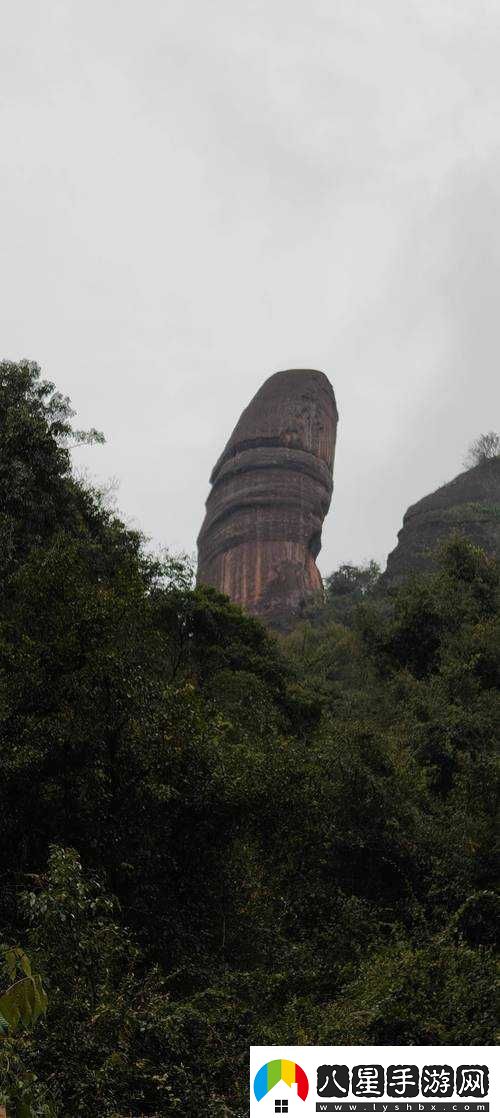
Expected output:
{"points": [[212, 839]]}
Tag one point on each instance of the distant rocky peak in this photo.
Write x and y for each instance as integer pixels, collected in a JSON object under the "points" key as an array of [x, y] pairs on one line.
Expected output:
{"points": [[468, 505]]}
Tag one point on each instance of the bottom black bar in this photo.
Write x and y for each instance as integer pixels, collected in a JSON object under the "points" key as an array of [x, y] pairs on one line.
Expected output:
{"points": [[403, 1107]]}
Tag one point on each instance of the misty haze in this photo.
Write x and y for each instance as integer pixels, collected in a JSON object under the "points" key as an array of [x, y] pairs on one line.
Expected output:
{"points": [[194, 197]]}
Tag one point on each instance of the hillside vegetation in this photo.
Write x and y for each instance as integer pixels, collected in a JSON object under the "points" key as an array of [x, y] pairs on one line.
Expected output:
{"points": [[211, 838]]}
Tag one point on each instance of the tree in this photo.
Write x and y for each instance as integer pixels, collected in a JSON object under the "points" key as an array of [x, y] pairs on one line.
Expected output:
{"points": [[349, 579], [482, 450], [218, 838], [21, 1004], [115, 1032]]}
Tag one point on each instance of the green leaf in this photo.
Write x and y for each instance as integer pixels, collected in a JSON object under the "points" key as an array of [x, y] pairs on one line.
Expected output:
{"points": [[22, 1003], [16, 958]]}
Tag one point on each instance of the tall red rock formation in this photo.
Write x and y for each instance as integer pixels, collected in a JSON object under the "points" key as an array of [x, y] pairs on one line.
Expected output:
{"points": [[271, 490]]}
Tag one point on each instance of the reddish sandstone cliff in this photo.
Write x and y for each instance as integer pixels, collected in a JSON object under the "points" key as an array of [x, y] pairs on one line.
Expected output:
{"points": [[271, 490]]}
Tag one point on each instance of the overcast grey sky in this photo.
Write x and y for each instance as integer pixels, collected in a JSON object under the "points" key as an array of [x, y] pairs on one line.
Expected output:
{"points": [[196, 193]]}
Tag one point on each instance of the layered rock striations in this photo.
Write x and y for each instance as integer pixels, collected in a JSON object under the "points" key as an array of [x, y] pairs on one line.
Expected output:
{"points": [[468, 506], [271, 490]]}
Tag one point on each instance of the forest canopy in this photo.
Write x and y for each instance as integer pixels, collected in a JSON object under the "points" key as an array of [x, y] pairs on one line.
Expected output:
{"points": [[214, 837]]}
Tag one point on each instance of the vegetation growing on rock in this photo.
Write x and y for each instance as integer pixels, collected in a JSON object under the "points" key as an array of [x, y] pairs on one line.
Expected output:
{"points": [[212, 839]]}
